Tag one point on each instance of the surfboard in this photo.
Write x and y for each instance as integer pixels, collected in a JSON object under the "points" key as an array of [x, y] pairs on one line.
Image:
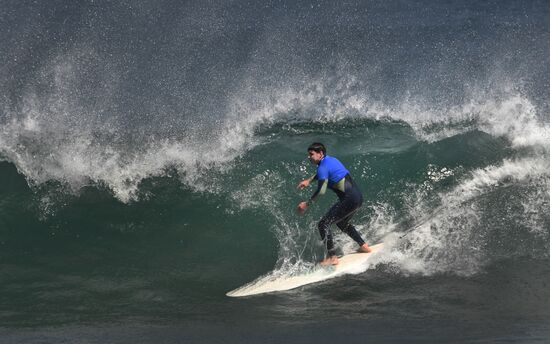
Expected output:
{"points": [[349, 263]]}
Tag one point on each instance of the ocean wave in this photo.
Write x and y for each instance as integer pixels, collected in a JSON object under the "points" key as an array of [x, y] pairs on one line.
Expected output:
{"points": [[500, 112], [497, 211], [61, 135]]}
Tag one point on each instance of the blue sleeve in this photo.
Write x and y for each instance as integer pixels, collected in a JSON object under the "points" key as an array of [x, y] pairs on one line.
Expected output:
{"points": [[322, 173]]}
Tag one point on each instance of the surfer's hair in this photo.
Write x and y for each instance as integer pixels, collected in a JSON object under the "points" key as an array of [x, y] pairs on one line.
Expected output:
{"points": [[317, 147]]}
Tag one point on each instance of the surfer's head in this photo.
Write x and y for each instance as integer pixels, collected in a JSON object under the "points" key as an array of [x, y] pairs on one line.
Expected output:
{"points": [[316, 152]]}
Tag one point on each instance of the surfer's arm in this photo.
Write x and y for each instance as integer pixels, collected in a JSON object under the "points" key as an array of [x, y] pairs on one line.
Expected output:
{"points": [[305, 183], [322, 183], [321, 189]]}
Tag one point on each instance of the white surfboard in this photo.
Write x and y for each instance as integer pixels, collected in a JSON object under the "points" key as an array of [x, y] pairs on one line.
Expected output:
{"points": [[349, 263]]}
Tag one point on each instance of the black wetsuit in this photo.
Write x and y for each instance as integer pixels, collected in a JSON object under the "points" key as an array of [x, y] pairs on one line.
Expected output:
{"points": [[350, 199]]}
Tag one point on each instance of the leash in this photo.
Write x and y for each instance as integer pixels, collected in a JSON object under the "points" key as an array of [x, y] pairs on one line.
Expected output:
{"points": [[422, 222]]}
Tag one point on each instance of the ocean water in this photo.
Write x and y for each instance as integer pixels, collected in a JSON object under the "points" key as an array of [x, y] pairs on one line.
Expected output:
{"points": [[150, 153]]}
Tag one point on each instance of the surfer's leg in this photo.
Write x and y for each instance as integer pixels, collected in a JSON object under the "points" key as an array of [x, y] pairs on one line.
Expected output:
{"points": [[349, 208], [324, 228], [350, 230], [326, 236]]}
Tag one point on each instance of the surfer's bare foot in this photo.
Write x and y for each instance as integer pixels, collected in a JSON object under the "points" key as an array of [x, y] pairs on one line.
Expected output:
{"points": [[329, 261], [364, 249]]}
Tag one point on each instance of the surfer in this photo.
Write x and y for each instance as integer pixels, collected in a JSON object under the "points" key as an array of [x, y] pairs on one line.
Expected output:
{"points": [[332, 174]]}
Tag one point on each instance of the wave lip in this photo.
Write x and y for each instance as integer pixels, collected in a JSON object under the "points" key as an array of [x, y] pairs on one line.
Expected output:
{"points": [[56, 137]]}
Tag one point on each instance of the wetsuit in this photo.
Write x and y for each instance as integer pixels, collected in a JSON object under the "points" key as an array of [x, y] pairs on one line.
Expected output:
{"points": [[332, 174]]}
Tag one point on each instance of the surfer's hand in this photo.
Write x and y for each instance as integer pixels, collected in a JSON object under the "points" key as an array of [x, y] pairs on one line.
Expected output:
{"points": [[302, 207], [303, 184]]}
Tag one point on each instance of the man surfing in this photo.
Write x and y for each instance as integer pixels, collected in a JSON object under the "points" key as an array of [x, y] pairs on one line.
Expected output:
{"points": [[332, 174]]}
